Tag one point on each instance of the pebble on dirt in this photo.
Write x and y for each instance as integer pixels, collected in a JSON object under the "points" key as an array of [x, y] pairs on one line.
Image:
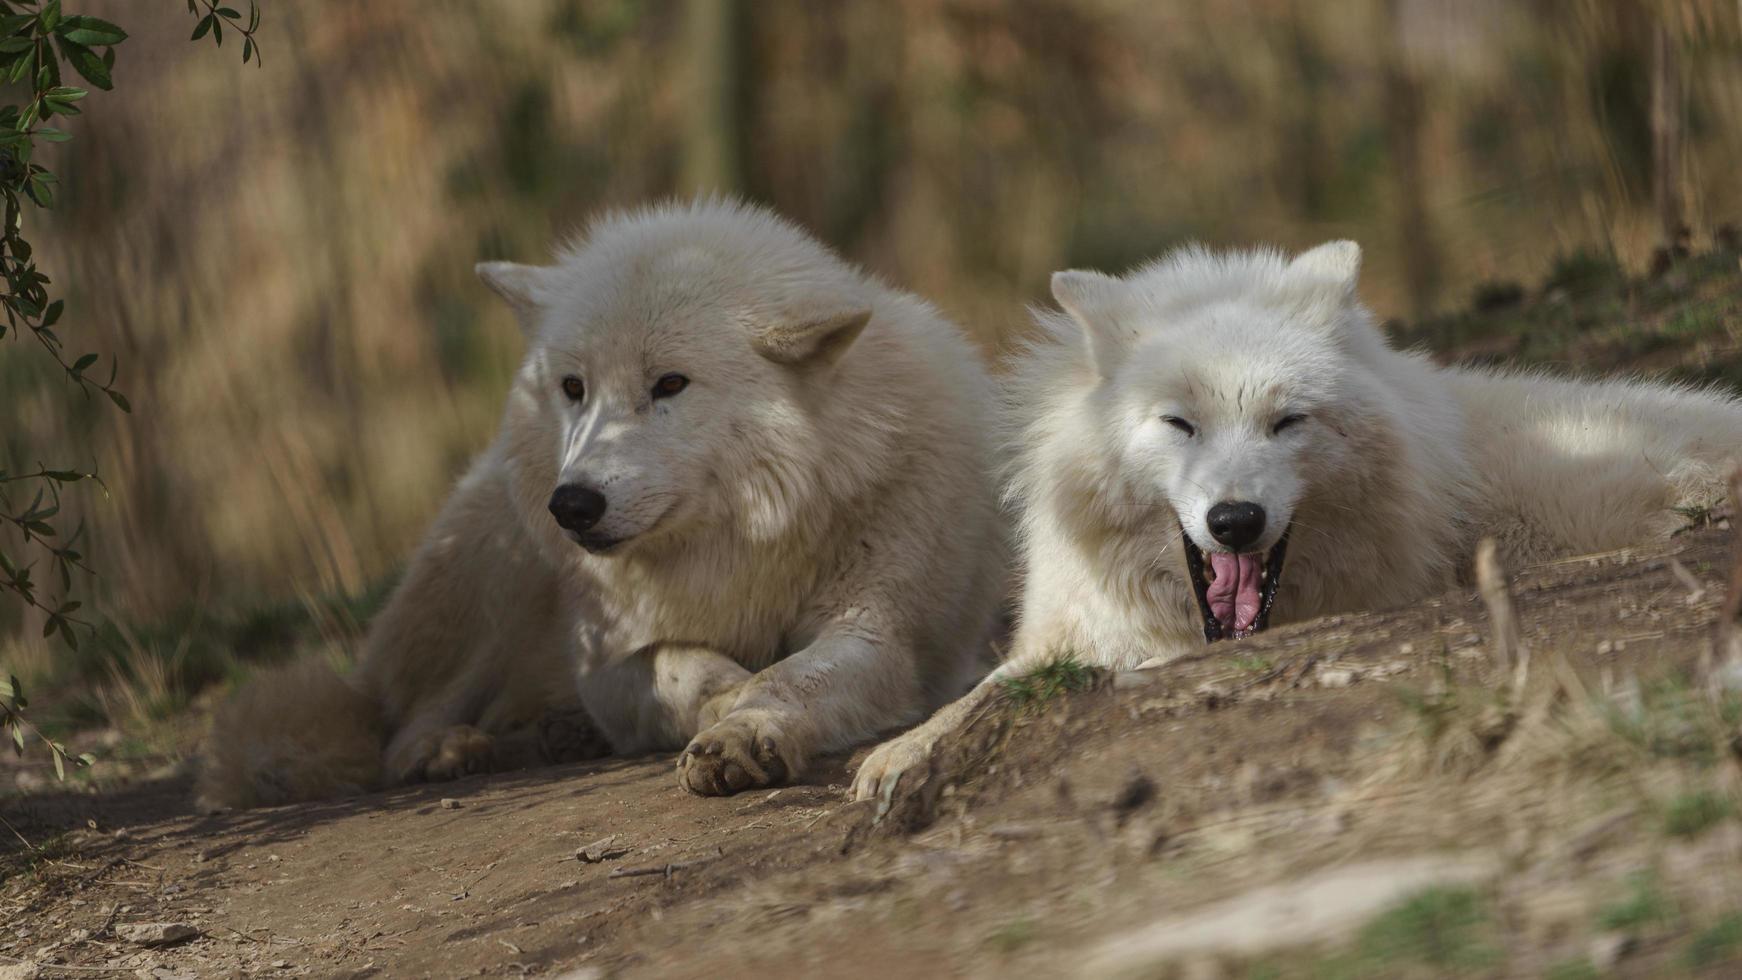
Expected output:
{"points": [[156, 933], [449, 803], [602, 849]]}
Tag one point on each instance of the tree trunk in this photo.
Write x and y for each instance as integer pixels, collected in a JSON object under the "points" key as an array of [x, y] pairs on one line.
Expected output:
{"points": [[713, 136], [1666, 135], [1405, 105]]}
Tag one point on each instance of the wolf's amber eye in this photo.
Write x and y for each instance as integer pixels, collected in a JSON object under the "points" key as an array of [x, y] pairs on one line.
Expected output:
{"points": [[669, 385], [1180, 424], [573, 388], [1285, 422]]}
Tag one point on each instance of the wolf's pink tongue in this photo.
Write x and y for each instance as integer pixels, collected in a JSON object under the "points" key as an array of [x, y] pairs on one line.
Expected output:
{"points": [[1233, 596]]}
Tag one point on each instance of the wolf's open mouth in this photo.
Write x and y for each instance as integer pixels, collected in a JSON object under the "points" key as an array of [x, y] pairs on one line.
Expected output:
{"points": [[1235, 595]]}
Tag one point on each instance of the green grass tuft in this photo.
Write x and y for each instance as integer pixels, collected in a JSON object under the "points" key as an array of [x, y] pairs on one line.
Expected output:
{"points": [[1573, 969], [1011, 936], [1692, 814], [1044, 684], [1438, 927], [1718, 943], [1645, 905]]}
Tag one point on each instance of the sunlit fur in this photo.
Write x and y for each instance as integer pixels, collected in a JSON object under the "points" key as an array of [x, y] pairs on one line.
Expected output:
{"points": [[815, 509], [1397, 470]]}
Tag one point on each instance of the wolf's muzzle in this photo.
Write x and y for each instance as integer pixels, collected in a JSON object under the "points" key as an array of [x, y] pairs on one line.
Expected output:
{"points": [[577, 508]]}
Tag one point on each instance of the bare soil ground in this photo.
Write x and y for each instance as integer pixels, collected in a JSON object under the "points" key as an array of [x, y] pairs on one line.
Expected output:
{"points": [[1585, 824]]}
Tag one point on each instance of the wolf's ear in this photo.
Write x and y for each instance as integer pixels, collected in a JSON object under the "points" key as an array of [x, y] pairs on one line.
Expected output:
{"points": [[523, 286], [818, 340], [1336, 262], [1091, 299]]}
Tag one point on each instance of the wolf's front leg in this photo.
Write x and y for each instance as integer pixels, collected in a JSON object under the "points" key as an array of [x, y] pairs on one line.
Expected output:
{"points": [[906, 758], [842, 689], [660, 697]]}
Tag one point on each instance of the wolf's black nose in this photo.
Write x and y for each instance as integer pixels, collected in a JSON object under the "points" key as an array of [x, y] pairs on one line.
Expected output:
{"points": [[577, 508], [1236, 523]]}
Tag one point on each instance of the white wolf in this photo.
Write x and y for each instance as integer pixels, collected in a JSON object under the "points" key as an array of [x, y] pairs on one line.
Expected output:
{"points": [[1216, 441], [742, 491]]}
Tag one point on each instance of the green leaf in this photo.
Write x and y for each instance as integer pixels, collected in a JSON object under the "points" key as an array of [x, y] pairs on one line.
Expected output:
{"points": [[84, 362], [11, 23], [14, 45], [68, 608], [247, 50], [91, 31], [53, 135], [18, 738], [65, 94], [119, 399], [51, 316], [60, 768], [203, 26], [85, 760], [40, 192], [85, 61], [49, 627], [229, 12]]}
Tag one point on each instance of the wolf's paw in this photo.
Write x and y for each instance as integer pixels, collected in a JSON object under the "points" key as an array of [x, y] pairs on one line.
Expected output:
{"points": [[570, 736], [880, 776], [743, 751], [449, 754]]}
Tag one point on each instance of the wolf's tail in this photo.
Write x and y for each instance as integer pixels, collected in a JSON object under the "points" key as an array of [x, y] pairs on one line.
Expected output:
{"points": [[292, 733]]}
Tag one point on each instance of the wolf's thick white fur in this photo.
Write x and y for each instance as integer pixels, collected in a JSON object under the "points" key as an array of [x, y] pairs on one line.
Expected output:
{"points": [[801, 547], [1387, 468]]}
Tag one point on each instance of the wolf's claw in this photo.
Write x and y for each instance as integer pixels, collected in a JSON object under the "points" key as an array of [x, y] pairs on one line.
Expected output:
{"points": [[881, 774]]}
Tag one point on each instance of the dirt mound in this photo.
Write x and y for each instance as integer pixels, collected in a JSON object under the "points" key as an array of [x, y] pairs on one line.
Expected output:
{"points": [[1059, 838]]}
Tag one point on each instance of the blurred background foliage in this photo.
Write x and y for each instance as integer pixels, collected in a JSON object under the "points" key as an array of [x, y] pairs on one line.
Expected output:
{"points": [[282, 258]]}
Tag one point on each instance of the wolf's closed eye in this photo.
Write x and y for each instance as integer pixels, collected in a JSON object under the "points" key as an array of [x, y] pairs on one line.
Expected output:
{"points": [[1285, 422], [669, 385], [1180, 424]]}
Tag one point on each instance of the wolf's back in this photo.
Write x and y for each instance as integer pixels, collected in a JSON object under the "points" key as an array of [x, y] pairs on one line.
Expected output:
{"points": [[292, 733]]}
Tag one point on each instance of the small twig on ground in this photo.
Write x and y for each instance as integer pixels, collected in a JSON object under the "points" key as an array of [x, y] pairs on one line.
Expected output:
{"points": [[21, 838], [1015, 831], [666, 870], [1510, 653], [108, 926], [467, 890], [1690, 581]]}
